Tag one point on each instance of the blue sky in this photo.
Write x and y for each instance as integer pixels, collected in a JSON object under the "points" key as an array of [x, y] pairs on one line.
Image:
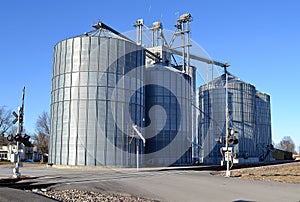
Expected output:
{"points": [[260, 39]]}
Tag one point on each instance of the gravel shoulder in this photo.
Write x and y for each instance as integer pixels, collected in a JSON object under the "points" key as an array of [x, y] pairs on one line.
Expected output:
{"points": [[80, 195]]}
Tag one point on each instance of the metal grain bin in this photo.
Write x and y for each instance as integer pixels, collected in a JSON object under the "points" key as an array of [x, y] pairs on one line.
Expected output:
{"points": [[263, 126], [169, 117], [84, 111], [211, 118]]}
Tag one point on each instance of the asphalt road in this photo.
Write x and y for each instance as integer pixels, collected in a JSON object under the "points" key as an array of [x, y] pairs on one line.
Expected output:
{"points": [[172, 185], [15, 195]]}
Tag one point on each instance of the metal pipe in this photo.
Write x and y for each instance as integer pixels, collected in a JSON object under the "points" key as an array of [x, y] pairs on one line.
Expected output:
{"points": [[140, 33], [139, 134], [153, 43], [227, 124], [183, 47], [137, 156], [201, 59], [188, 43]]}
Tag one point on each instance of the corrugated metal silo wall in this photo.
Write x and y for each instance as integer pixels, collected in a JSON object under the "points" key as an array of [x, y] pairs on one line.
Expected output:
{"points": [[242, 104], [86, 70], [169, 137], [211, 123], [211, 119], [263, 125]]}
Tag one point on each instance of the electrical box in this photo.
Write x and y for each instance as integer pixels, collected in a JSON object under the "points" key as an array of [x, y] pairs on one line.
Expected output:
{"points": [[228, 156], [227, 153], [236, 160]]}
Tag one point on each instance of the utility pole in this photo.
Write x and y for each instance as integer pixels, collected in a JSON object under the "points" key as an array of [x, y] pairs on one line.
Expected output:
{"points": [[230, 137], [227, 124]]}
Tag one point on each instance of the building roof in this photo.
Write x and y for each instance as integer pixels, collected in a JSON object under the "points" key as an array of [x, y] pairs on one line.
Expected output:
{"points": [[102, 32], [220, 81]]}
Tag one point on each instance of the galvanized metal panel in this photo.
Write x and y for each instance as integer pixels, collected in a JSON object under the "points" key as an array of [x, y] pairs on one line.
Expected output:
{"points": [[264, 132], [86, 71], [168, 121]]}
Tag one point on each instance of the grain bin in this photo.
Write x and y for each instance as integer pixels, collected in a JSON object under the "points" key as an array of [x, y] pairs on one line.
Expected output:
{"points": [[86, 71], [211, 119], [263, 129], [169, 117]]}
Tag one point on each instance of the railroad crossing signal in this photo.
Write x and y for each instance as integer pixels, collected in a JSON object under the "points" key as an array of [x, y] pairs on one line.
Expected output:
{"points": [[18, 137]]}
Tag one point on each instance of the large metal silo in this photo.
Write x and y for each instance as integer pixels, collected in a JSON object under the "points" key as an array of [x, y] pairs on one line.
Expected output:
{"points": [[263, 126], [88, 115], [211, 119], [242, 101], [169, 117], [211, 123]]}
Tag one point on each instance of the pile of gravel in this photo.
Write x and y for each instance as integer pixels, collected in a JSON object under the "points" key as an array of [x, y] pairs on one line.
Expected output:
{"points": [[86, 196]]}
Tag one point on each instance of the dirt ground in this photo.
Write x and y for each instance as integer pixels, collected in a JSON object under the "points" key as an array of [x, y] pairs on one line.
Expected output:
{"points": [[286, 173]]}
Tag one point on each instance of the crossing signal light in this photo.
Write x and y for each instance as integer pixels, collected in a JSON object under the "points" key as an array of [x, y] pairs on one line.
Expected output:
{"points": [[10, 138], [24, 139], [233, 140], [18, 138]]}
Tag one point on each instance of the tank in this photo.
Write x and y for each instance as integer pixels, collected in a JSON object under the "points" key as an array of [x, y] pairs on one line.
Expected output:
{"points": [[93, 89], [263, 128], [169, 117], [211, 118]]}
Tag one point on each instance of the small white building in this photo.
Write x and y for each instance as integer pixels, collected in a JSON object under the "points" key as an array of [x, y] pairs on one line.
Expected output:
{"points": [[26, 152], [3, 152]]}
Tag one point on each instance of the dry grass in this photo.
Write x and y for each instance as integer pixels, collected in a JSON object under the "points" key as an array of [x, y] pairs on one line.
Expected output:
{"points": [[6, 163], [287, 173]]}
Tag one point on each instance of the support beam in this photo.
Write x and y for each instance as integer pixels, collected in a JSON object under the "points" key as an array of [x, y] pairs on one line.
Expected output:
{"points": [[201, 59]]}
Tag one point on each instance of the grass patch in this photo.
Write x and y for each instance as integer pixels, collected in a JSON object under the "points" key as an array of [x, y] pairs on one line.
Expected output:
{"points": [[287, 173]]}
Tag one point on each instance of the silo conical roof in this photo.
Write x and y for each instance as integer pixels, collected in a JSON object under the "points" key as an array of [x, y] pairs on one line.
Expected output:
{"points": [[102, 32], [221, 80]]}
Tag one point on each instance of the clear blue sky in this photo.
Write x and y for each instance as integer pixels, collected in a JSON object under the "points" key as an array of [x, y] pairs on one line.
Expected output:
{"points": [[260, 39]]}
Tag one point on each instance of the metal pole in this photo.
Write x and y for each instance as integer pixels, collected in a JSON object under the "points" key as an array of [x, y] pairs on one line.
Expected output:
{"points": [[227, 125], [188, 43], [183, 47], [139, 32], [16, 169], [153, 42], [137, 156], [140, 35]]}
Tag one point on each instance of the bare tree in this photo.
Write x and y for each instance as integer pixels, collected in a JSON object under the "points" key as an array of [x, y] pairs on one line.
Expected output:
{"points": [[41, 138], [287, 144], [43, 123], [41, 141], [6, 119]]}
